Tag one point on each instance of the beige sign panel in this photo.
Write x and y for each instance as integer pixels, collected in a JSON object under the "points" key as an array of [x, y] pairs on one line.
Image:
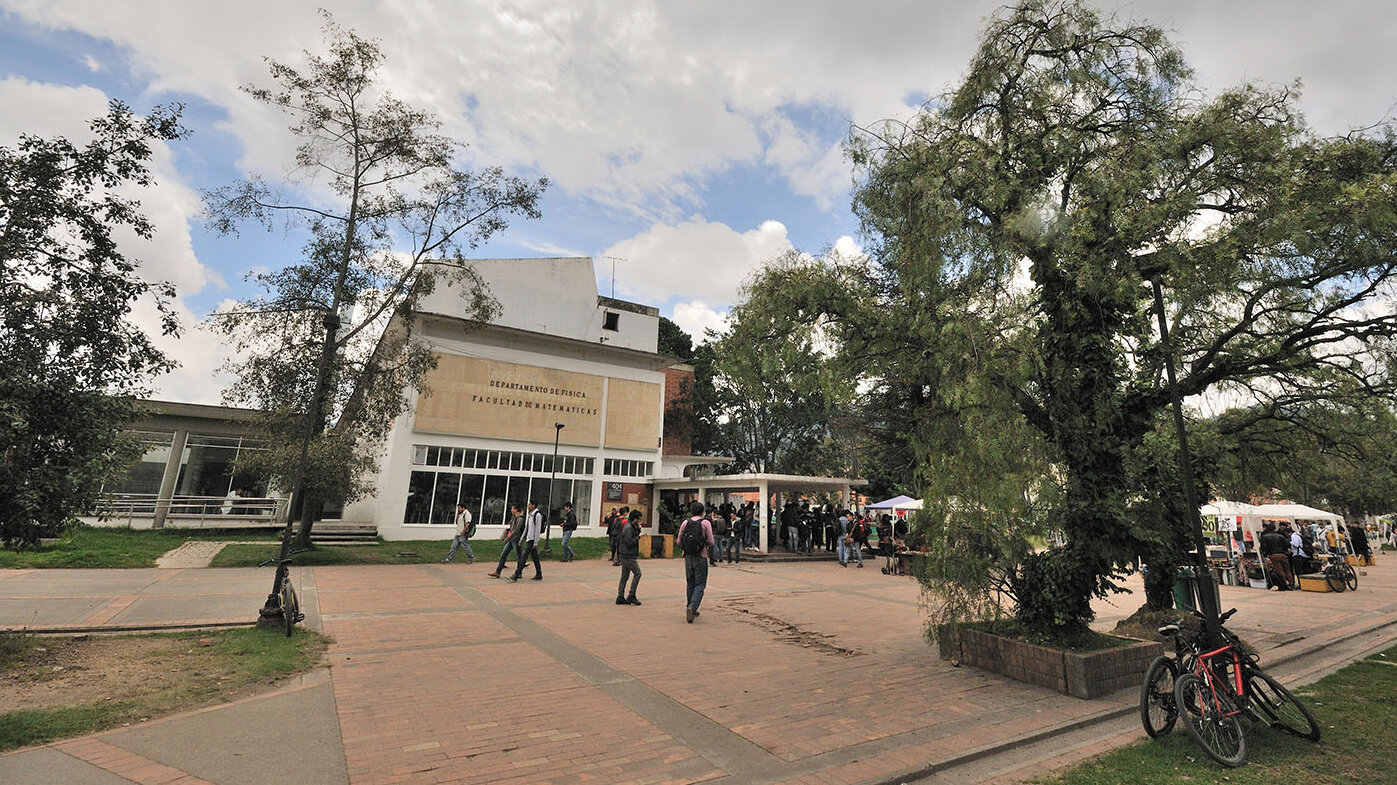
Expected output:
{"points": [[632, 414], [475, 397]]}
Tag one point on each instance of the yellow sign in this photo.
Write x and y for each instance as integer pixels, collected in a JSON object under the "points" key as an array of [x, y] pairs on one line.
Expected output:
{"points": [[468, 396]]}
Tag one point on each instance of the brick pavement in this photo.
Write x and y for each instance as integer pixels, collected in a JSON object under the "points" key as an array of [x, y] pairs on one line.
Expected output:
{"points": [[799, 673]]}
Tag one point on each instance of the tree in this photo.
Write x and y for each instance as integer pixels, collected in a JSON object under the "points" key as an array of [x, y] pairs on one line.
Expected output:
{"points": [[1340, 457], [333, 338], [75, 362], [1018, 222], [774, 390]]}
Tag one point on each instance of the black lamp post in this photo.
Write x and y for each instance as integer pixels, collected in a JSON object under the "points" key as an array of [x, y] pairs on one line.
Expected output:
{"points": [[548, 522], [295, 505], [1207, 598]]}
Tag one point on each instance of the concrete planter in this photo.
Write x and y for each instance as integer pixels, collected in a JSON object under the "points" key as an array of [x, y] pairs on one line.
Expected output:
{"points": [[1080, 674]]}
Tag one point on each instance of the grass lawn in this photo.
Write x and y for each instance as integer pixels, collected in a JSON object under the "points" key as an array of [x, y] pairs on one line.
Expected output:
{"points": [[1356, 709], [402, 552], [65, 687], [92, 546]]}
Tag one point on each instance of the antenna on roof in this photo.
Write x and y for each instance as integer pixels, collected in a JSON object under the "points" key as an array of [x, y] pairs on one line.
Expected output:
{"points": [[614, 260]]}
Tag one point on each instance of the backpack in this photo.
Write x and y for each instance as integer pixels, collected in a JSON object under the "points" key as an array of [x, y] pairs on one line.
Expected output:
{"points": [[693, 541], [720, 526], [470, 529]]}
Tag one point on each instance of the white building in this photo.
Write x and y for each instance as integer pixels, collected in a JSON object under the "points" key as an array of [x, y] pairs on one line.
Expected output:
{"points": [[559, 363]]}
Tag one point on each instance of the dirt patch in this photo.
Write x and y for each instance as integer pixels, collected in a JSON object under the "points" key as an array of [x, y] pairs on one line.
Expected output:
{"points": [[54, 672], [785, 631]]}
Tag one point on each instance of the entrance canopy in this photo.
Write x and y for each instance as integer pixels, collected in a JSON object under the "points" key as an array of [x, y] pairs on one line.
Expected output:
{"points": [[788, 486]]}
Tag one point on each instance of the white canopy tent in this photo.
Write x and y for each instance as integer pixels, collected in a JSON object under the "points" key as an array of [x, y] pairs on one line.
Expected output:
{"points": [[1296, 512], [897, 505]]}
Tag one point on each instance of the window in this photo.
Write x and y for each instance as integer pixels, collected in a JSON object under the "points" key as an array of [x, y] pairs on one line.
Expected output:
{"points": [[611, 320]]}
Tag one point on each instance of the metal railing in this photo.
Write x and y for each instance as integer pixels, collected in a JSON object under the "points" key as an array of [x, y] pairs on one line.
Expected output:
{"points": [[203, 509]]}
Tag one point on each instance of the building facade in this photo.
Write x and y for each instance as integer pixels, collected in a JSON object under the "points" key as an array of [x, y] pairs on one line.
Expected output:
{"points": [[560, 398]]}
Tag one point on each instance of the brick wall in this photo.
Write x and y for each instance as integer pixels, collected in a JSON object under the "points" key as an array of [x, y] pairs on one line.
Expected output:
{"points": [[678, 436], [1081, 674]]}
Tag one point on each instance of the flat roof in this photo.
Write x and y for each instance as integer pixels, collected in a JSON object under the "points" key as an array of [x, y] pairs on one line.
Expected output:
{"points": [[771, 480]]}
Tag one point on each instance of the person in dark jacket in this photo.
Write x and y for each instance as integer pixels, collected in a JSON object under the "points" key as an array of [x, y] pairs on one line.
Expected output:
{"points": [[628, 551]]}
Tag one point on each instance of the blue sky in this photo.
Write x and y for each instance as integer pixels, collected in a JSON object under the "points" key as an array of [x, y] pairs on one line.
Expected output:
{"points": [[691, 140]]}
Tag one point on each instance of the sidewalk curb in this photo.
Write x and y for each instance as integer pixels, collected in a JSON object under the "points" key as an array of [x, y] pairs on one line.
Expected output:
{"points": [[989, 751], [128, 628]]}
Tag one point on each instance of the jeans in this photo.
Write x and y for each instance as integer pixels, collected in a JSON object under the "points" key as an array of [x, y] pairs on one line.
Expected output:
{"points": [[792, 538], [509, 545], [734, 549], [567, 549], [695, 579], [629, 569], [528, 549], [847, 551], [721, 550], [457, 542]]}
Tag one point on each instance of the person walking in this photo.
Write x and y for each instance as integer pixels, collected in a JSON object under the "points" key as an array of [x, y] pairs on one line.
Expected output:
{"points": [[695, 539], [465, 527], [1275, 550], [533, 529], [569, 526], [721, 530], [628, 551], [511, 537]]}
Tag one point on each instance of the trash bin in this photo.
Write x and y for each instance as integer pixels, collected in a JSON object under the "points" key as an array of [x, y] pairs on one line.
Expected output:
{"points": [[1186, 589]]}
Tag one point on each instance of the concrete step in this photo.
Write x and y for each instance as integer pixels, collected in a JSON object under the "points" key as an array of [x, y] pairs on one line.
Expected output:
{"points": [[336, 532]]}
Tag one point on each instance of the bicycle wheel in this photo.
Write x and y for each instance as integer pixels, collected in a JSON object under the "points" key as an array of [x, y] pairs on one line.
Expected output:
{"points": [[1278, 708], [1211, 720], [1335, 577], [1350, 576], [1157, 709]]}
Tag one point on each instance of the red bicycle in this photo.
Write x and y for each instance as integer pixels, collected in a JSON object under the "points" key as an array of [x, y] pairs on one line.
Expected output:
{"points": [[1219, 693]]}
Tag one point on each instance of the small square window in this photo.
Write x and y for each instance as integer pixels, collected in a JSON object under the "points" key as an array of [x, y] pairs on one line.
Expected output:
{"points": [[611, 320]]}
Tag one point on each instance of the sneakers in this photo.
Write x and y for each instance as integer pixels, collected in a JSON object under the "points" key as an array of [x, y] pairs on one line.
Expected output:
{"points": [[632, 600], [860, 565], [445, 561], [689, 615], [513, 579]]}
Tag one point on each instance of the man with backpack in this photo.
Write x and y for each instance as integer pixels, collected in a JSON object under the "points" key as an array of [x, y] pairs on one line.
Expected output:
{"points": [[569, 526], [628, 551], [511, 538], [528, 548], [465, 527], [695, 540]]}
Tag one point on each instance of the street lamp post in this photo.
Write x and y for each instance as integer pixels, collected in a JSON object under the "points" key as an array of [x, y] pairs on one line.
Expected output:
{"points": [[1207, 599], [548, 522]]}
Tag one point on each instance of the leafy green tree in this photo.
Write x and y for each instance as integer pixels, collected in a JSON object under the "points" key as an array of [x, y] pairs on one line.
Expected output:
{"points": [[74, 361], [1340, 457], [1017, 223], [775, 389], [389, 215]]}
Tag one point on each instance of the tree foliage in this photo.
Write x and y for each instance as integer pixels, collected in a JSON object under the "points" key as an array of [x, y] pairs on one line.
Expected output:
{"points": [[1342, 457], [1017, 222], [770, 379], [74, 360], [389, 215]]}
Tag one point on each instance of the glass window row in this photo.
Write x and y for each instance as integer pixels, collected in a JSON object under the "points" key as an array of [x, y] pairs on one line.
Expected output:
{"points": [[432, 496], [616, 467], [465, 458]]}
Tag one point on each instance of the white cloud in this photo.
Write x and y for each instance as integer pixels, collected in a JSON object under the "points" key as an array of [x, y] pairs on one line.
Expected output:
{"points": [[696, 259], [696, 317]]}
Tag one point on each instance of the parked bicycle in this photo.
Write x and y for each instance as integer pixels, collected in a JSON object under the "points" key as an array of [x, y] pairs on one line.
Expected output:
{"points": [[287, 602], [1338, 572], [1219, 693]]}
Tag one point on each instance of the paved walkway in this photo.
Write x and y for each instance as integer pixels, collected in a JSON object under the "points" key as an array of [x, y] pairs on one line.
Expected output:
{"points": [[794, 673]]}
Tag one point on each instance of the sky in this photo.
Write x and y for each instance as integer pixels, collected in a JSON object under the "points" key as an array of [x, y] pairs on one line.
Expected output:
{"points": [[686, 142]]}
